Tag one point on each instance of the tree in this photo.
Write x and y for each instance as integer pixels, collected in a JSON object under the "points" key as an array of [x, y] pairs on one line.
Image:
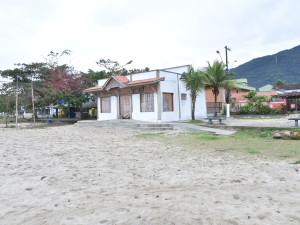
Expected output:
{"points": [[21, 75], [115, 68], [94, 76], [53, 83], [217, 77], [66, 87], [194, 82]]}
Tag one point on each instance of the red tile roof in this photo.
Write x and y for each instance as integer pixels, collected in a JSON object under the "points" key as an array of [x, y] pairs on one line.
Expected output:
{"points": [[92, 89], [287, 87], [126, 82], [151, 80], [121, 78]]}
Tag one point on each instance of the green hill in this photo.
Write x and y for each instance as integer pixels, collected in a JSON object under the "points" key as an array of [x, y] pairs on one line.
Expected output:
{"points": [[284, 65]]}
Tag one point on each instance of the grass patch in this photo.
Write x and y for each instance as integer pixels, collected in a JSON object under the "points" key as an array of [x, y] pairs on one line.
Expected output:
{"points": [[149, 135], [13, 119], [208, 137], [266, 132], [196, 122], [248, 141], [284, 156], [296, 162], [10, 126], [253, 152]]}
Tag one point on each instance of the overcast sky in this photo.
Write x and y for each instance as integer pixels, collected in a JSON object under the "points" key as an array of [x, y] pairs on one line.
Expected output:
{"points": [[153, 33]]}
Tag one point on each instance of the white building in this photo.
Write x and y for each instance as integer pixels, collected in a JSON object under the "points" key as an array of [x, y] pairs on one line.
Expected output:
{"points": [[154, 96]]}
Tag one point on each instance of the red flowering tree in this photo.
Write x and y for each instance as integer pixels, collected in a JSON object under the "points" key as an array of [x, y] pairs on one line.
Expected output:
{"points": [[63, 87]]}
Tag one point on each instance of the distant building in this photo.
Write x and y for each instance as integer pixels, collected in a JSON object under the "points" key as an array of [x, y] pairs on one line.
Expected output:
{"points": [[291, 92], [267, 87]]}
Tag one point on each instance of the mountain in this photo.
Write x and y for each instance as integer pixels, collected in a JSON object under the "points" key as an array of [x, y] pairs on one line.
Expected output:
{"points": [[284, 65]]}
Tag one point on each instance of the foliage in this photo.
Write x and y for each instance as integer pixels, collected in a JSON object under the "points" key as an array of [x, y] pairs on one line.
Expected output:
{"points": [[115, 68], [217, 78], [61, 85], [255, 105], [53, 82], [194, 82], [280, 82], [94, 76]]}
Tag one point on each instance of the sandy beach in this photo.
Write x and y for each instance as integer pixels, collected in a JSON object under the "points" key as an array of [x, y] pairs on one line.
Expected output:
{"points": [[82, 175]]}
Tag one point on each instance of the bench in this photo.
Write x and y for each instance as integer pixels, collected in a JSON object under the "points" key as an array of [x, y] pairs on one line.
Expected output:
{"points": [[210, 119], [296, 121]]}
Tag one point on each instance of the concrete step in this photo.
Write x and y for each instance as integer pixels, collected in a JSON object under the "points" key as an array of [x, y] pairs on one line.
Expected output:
{"points": [[125, 124], [155, 128]]}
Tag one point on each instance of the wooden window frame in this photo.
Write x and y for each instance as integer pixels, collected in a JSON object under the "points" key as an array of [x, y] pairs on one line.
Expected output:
{"points": [[171, 103], [102, 99], [141, 103]]}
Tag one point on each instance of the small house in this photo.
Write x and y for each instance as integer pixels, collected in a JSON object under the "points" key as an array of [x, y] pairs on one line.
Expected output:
{"points": [[154, 96]]}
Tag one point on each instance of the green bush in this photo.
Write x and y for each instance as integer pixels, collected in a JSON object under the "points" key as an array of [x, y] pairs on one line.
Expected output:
{"points": [[255, 106], [86, 116]]}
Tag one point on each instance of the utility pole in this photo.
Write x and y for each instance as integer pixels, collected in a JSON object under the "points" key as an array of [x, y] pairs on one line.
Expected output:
{"points": [[32, 97], [17, 89], [226, 50], [227, 92]]}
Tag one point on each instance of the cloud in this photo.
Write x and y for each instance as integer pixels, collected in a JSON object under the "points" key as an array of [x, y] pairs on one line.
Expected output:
{"points": [[153, 33]]}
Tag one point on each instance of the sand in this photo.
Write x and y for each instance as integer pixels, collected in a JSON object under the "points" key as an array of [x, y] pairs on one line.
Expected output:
{"points": [[73, 175]]}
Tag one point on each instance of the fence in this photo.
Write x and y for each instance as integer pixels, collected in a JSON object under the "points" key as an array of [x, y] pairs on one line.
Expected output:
{"points": [[210, 107]]}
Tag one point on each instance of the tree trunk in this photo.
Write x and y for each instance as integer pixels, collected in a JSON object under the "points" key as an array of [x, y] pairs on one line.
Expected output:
{"points": [[193, 108], [216, 95], [193, 98]]}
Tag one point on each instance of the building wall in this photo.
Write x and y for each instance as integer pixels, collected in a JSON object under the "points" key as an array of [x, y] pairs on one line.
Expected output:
{"points": [[143, 116], [210, 96], [142, 76], [200, 108], [102, 81], [169, 85], [114, 110], [179, 69]]}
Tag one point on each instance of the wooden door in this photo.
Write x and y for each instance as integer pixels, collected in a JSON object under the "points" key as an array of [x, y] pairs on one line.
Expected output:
{"points": [[125, 107]]}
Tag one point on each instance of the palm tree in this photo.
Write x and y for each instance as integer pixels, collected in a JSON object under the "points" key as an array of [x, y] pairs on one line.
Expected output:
{"points": [[217, 77], [280, 82], [194, 82]]}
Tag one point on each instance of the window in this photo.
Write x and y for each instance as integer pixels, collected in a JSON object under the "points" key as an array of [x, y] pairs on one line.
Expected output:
{"points": [[168, 102], [147, 102], [105, 105], [183, 96]]}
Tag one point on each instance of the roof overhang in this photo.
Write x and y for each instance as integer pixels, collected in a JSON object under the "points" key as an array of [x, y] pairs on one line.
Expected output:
{"points": [[93, 89]]}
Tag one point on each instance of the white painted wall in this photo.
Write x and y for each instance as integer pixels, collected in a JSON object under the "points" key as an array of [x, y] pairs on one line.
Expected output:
{"points": [[180, 69], [142, 76], [200, 108], [102, 81], [169, 85], [114, 110], [98, 107], [143, 116]]}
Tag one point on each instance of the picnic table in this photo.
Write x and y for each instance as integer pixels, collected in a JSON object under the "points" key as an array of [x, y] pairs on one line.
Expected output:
{"points": [[296, 121], [210, 119]]}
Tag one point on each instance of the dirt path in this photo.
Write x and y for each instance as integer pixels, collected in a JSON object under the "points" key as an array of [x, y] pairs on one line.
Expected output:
{"points": [[69, 175]]}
